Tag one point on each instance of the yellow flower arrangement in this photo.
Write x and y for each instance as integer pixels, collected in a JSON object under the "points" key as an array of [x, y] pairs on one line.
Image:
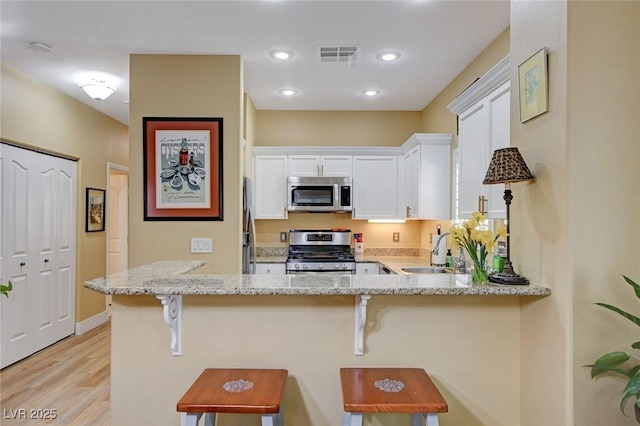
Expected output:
{"points": [[477, 243]]}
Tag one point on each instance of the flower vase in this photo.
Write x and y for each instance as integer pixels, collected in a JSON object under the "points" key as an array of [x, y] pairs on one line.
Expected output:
{"points": [[479, 274]]}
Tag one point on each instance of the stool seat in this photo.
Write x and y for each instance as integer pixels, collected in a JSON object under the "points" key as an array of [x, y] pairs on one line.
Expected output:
{"points": [[390, 390], [239, 391]]}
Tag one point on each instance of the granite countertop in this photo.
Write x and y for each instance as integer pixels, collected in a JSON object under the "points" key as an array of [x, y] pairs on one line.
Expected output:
{"points": [[173, 277]]}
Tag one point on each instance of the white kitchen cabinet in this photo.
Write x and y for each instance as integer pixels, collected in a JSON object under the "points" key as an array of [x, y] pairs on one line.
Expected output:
{"points": [[375, 187], [427, 176], [270, 187], [484, 125], [271, 268], [320, 165], [367, 268]]}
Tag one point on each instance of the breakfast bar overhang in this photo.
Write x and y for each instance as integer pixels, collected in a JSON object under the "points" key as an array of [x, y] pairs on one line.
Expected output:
{"points": [[311, 325]]}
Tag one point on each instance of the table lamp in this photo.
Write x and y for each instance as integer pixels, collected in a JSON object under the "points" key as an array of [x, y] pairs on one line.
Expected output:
{"points": [[507, 166]]}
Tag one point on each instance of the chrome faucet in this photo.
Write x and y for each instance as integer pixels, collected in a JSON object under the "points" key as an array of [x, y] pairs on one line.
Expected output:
{"points": [[460, 263], [436, 247]]}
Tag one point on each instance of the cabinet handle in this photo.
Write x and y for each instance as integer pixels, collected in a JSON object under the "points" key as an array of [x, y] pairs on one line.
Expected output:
{"points": [[22, 264], [46, 261], [408, 211], [482, 200]]}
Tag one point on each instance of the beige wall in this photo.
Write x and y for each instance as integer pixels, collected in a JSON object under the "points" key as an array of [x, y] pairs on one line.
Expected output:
{"points": [[604, 152], [436, 118], [38, 116], [249, 132], [453, 338], [187, 86], [540, 219], [335, 128]]}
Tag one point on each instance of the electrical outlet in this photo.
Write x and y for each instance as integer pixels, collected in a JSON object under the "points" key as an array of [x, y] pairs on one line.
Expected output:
{"points": [[396, 237], [201, 245], [283, 237]]}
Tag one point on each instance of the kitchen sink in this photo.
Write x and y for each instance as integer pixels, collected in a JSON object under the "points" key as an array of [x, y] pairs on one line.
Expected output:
{"points": [[424, 270]]}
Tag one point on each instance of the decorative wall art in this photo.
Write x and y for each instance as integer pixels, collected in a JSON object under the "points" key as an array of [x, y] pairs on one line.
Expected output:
{"points": [[532, 85], [182, 168], [95, 210]]}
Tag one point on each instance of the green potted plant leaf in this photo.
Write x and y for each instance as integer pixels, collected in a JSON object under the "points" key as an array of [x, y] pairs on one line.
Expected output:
{"points": [[5, 289], [622, 363]]}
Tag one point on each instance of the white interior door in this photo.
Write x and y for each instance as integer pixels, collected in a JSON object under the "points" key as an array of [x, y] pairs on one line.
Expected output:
{"points": [[39, 251], [118, 206]]}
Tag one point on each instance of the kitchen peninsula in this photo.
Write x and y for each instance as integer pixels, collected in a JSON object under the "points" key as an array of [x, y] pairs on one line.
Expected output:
{"points": [[305, 323]]}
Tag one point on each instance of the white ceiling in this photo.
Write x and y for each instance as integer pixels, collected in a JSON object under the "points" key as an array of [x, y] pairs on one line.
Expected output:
{"points": [[437, 40]]}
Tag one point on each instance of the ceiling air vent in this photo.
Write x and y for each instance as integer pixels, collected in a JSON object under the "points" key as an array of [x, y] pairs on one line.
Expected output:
{"points": [[347, 54]]}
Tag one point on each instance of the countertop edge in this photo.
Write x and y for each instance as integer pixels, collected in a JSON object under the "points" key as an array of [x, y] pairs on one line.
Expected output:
{"points": [[171, 278]]}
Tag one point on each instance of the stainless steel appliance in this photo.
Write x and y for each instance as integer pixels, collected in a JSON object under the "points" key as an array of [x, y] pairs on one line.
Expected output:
{"points": [[319, 194], [248, 229], [320, 251]]}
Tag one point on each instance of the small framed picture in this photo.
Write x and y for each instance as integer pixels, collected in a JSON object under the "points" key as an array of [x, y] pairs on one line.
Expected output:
{"points": [[95, 210], [532, 86]]}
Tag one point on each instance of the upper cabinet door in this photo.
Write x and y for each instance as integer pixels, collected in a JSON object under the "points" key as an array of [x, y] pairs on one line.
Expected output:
{"points": [[375, 187], [304, 165], [484, 125], [320, 165], [270, 187]]}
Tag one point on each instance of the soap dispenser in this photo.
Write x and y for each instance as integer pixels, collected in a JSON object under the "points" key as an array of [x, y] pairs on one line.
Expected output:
{"points": [[449, 259]]}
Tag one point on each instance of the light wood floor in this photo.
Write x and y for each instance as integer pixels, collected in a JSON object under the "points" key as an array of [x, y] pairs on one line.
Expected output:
{"points": [[70, 377]]}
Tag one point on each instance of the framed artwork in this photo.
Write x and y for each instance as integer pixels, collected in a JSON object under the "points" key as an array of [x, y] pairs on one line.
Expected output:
{"points": [[532, 86], [95, 210], [182, 168]]}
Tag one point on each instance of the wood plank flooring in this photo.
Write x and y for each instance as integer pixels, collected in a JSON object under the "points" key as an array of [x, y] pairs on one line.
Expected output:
{"points": [[70, 377]]}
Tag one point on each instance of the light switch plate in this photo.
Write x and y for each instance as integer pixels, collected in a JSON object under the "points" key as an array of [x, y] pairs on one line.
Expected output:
{"points": [[201, 245], [283, 237]]}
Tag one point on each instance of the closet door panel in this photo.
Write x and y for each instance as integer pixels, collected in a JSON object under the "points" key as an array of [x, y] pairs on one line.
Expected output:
{"points": [[65, 249]]}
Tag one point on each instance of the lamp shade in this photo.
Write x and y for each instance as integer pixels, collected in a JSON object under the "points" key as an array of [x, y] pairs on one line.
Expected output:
{"points": [[97, 89], [507, 165]]}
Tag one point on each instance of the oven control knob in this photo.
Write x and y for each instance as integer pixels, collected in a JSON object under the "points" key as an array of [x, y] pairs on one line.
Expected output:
{"points": [[305, 266], [321, 266], [337, 266], [297, 266], [344, 266]]}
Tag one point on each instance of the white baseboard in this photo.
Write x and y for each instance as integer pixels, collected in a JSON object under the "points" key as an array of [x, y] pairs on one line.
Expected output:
{"points": [[91, 323]]}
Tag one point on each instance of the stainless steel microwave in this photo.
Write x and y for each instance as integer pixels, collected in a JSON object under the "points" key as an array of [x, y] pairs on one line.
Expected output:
{"points": [[319, 194]]}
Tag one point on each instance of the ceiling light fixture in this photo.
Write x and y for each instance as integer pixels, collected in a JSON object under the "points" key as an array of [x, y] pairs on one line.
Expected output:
{"points": [[41, 47], [283, 55], [97, 89], [388, 56], [287, 92], [370, 92]]}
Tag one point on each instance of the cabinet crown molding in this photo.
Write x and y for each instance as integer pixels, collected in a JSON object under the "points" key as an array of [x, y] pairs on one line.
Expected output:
{"points": [[492, 79], [326, 150], [426, 139]]}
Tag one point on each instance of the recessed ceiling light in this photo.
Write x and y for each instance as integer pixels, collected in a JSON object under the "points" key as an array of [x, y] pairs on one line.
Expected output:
{"points": [[281, 54], [287, 92], [388, 56], [370, 92]]}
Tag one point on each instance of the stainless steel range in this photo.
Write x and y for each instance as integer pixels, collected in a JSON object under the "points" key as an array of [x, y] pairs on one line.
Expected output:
{"points": [[320, 251]]}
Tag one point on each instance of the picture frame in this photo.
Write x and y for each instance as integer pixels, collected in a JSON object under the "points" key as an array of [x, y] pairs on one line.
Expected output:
{"points": [[532, 86], [95, 209], [182, 167]]}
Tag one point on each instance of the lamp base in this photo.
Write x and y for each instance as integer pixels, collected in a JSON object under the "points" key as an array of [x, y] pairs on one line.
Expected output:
{"points": [[508, 276]]}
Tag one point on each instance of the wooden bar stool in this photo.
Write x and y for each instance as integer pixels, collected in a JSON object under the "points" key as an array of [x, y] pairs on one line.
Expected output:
{"points": [[239, 391], [390, 390]]}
